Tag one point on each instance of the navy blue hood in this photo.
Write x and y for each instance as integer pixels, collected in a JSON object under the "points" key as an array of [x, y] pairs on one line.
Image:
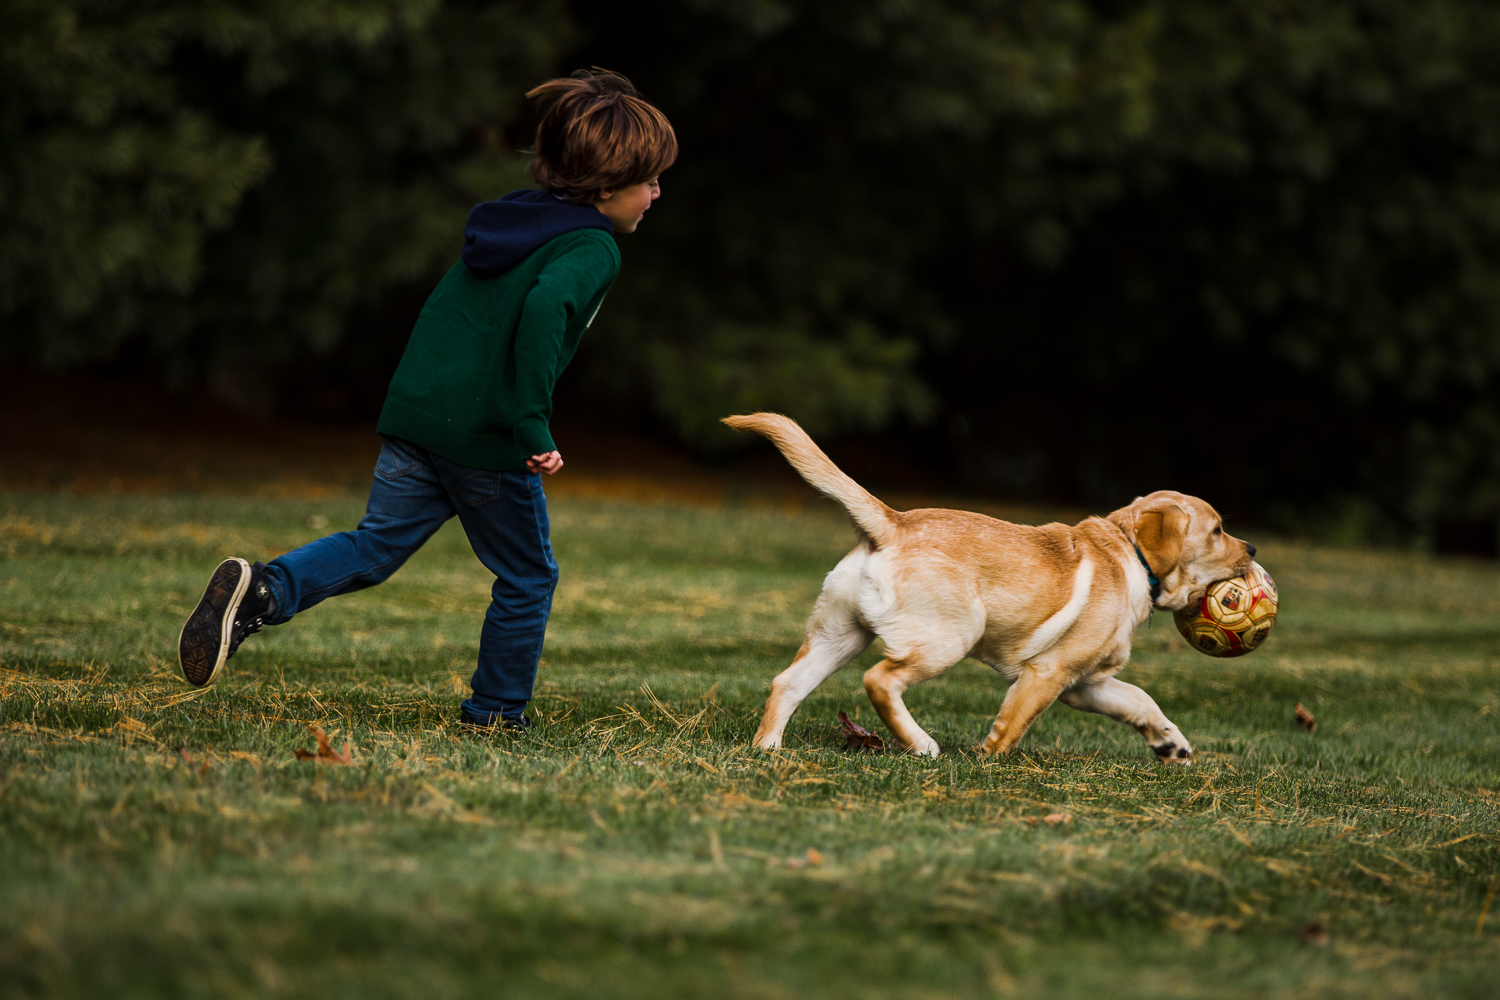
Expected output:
{"points": [[499, 233]]}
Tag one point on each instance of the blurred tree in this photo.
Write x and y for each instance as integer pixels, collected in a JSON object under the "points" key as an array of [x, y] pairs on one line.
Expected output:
{"points": [[1244, 247], [835, 155], [224, 181], [1247, 248]]}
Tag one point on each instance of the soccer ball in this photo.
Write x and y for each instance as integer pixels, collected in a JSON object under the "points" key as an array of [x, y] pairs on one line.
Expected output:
{"points": [[1234, 617]]}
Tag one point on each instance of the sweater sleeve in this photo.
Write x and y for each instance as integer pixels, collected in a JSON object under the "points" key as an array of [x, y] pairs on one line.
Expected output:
{"points": [[569, 284]]}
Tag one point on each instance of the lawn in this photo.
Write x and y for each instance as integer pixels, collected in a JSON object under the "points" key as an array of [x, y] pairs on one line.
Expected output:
{"points": [[161, 841]]}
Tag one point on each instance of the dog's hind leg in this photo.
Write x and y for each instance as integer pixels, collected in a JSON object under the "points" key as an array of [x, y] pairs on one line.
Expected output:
{"points": [[832, 641], [885, 682], [1129, 704]]}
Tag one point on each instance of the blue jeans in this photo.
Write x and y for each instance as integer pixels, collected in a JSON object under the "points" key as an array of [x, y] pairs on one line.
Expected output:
{"points": [[505, 516]]}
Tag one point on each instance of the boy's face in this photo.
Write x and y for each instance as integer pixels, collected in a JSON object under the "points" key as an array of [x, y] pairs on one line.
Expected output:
{"points": [[625, 206]]}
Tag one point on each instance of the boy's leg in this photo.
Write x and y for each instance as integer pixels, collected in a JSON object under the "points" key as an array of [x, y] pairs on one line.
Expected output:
{"points": [[505, 517], [407, 504]]}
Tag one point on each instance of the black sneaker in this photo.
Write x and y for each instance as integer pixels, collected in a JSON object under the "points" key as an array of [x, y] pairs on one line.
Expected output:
{"points": [[488, 722], [235, 603]]}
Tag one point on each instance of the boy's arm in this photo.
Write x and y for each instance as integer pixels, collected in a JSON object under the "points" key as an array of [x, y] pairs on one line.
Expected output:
{"points": [[563, 289]]}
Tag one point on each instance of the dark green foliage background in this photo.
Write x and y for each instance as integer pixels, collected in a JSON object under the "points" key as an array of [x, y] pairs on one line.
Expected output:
{"points": [[1078, 249], [222, 183]]}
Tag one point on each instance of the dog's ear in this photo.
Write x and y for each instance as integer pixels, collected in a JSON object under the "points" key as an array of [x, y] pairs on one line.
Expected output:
{"points": [[1159, 531]]}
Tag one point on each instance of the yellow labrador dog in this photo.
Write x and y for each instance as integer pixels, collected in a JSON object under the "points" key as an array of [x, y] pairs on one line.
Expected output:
{"points": [[1051, 608]]}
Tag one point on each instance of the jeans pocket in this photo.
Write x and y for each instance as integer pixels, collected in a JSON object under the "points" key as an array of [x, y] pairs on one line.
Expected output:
{"points": [[397, 459], [472, 487]]}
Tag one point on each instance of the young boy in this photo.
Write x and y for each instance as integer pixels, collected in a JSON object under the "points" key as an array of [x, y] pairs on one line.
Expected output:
{"points": [[465, 420]]}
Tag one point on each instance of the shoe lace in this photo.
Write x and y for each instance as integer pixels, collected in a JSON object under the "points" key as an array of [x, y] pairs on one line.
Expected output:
{"points": [[244, 627], [250, 624]]}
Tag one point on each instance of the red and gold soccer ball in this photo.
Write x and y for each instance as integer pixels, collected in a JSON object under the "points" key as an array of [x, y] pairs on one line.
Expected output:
{"points": [[1234, 617]]}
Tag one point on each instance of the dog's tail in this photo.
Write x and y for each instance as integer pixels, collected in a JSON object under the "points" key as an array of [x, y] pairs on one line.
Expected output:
{"points": [[871, 516]]}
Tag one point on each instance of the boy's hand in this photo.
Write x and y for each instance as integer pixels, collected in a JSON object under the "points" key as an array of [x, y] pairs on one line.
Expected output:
{"points": [[547, 464]]}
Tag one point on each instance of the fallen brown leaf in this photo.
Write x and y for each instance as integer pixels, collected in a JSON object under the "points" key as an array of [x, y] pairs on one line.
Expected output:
{"points": [[812, 857], [857, 736], [1314, 934], [187, 758], [1305, 718], [326, 754]]}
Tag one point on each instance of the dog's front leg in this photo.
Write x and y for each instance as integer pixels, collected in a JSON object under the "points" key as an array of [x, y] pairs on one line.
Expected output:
{"points": [[1129, 704], [1027, 698]]}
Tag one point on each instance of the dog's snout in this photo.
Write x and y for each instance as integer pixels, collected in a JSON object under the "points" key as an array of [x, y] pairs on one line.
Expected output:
{"points": [[1250, 548]]}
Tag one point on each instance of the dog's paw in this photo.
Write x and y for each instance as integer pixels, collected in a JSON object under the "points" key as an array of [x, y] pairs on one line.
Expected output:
{"points": [[1172, 752], [927, 749]]}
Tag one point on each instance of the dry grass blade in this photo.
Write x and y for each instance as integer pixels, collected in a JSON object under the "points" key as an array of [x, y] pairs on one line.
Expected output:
{"points": [[1305, 718], [857, 736], [659, 706], [136, 728], [1489, 898]]}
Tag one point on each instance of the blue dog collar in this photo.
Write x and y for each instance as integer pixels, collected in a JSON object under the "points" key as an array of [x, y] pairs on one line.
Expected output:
{"points": [[1150, 577]]}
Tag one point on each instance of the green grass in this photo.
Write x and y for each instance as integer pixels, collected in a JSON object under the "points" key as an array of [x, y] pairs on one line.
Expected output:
{"points": [[633, 844]]}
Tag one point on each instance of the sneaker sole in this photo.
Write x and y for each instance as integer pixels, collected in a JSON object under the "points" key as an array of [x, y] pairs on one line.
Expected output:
{"points": [[203, 646]]}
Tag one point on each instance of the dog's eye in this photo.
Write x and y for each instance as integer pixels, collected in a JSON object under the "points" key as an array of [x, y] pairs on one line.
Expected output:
{"points": [[1218, 530]]}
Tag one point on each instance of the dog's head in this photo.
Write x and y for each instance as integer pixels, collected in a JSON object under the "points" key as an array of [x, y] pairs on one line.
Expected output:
{"points": [[1184, 541]]}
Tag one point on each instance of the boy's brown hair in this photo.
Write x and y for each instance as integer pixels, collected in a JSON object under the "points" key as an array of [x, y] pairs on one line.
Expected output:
{"points": [[597, 134]]}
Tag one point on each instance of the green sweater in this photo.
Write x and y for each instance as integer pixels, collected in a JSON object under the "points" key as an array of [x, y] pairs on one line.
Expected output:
{"points": [[475, 383]]}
